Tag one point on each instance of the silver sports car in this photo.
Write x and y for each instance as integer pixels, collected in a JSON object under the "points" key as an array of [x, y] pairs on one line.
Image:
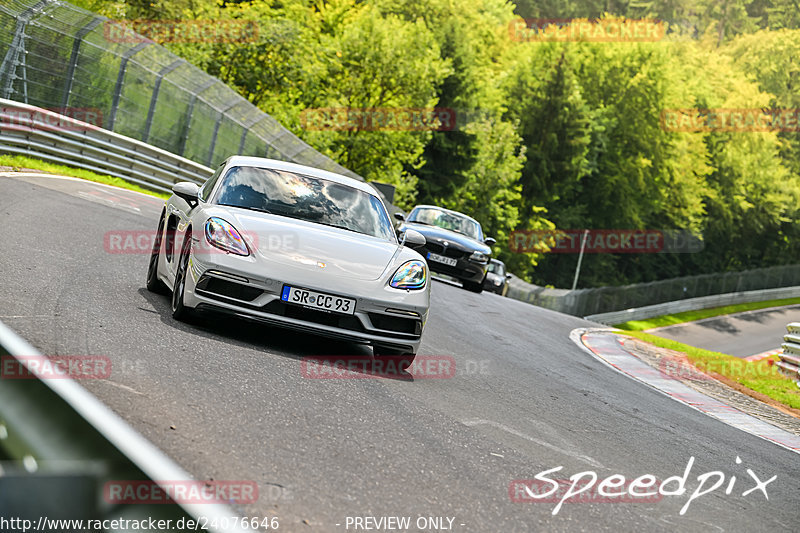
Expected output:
{"points": [[296, 247]]}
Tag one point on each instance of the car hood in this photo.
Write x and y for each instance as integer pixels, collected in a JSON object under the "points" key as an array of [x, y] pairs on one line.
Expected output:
{"points": [[435, 233], [313, 247], [491, 276]]}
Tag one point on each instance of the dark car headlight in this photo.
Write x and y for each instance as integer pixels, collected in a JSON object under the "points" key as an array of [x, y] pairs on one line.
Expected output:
{"points": [[479, 257], [224, 236], [410, 275]]}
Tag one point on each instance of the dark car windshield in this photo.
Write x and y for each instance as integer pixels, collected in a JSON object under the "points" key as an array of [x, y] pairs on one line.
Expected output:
{"points": [[497, 268], [303, 197], [447, 220]]}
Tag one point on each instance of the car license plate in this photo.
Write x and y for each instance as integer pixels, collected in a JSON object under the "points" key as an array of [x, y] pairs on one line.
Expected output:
{"points": [[318, 300], [442, 259]]}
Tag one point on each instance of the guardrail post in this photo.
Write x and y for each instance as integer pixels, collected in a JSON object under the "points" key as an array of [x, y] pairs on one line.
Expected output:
{"points": [[73, 60], [150, 112], [120, 78], [789, 363]]}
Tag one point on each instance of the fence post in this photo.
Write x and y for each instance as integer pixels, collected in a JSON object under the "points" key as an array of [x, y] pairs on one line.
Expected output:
{"points": [[247, 128], [195, 96], [8, 68], [73, 60], [216, 131], [161, 73], [120, 78]]}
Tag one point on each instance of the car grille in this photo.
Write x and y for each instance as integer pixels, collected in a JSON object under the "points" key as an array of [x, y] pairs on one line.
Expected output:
{"points": [[277, 307], [392, 326], [398, 324], [437, 248], [212, 287]]}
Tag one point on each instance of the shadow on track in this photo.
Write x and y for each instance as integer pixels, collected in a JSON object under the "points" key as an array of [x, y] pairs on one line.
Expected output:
{"points": [[296, 345]]}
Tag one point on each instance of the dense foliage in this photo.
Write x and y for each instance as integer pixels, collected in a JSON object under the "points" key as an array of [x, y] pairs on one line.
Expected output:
{"points": [[549, 134]]}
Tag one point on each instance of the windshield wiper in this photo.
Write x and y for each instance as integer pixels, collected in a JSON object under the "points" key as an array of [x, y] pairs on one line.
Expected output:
{"points": [[337, 226], [259, 209]]}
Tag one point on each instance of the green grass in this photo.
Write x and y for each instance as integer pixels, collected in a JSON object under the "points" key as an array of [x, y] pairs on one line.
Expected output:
{"points": [[759, 376], [690, 316], [19, 162]]}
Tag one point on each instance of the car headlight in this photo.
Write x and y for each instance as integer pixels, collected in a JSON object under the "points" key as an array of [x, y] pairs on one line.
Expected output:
{"points": [[411, 275], [225, 237], [498, 282], [479, 257]]}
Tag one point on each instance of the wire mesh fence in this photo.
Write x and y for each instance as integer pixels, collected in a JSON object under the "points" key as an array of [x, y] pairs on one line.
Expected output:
{"points": [[63, 58], [585, 302]]}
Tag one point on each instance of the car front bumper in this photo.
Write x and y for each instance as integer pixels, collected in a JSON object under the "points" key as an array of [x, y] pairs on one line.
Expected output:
{"points": [[384, 316], [465, 270]]}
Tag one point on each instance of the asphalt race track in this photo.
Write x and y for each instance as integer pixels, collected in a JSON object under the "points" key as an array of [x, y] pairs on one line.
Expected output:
{"points": [[524, 398], [739, 334]]}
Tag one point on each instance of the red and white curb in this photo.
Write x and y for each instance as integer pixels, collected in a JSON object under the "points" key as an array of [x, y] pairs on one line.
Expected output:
{"points": [[605, 346], [763, 355]]}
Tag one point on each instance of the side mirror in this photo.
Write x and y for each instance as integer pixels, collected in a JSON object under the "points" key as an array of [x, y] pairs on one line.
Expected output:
{"points": [[400, 217], [489, 241], [413, 238], [508, 276], [188, 191]]}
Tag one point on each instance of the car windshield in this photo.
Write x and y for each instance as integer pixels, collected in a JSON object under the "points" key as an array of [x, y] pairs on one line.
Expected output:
{"points": [[497, 268], [294, 195], [447, 220]]}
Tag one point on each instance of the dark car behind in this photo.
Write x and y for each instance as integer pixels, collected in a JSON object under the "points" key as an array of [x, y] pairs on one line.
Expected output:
{"points": [[455, 244], [496, 277]]}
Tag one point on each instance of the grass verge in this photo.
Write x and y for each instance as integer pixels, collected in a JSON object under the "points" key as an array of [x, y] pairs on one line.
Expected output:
{"points": [[21, 162], [759, 376], [691, 316]]}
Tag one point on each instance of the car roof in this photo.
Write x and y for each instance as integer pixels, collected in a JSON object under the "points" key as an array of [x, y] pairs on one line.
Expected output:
{"points": [[447, 210], [497, 261], [251, 161]]}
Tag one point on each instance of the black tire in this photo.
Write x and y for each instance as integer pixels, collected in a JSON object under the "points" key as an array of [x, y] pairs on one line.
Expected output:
{"points": [[153, 283], [180, 311], [472, 286], [402, 359]]}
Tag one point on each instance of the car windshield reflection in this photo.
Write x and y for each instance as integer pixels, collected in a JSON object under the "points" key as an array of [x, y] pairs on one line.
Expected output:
{"points": [[447, 220], [308, 198]]}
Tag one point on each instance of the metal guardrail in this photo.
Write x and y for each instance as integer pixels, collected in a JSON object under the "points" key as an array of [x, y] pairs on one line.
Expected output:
{"points": [[599, 301], [60, 446], [37, 132], [789, 363], [58, 56], [694, 304]]}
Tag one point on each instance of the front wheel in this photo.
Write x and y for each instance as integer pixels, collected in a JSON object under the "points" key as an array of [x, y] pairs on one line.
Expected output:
{"points": [[472, 286], [180, 311], [153, 283]]}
